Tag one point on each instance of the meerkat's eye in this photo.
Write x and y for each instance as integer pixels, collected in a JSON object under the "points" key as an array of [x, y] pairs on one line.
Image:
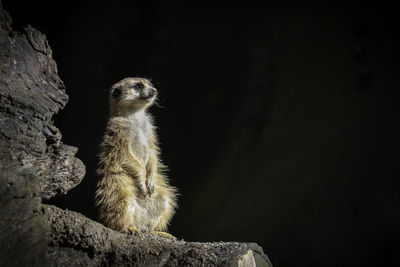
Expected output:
{"points": [[138, 86]]}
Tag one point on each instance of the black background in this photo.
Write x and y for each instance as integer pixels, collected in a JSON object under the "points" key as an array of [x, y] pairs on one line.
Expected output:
{"points": [[279, 121]]}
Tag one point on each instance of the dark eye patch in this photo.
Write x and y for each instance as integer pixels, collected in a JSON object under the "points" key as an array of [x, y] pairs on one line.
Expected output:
{"points": [[117, 94]]}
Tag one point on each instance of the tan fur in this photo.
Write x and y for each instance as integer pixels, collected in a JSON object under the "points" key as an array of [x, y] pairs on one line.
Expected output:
{"points": [[133, 194]]}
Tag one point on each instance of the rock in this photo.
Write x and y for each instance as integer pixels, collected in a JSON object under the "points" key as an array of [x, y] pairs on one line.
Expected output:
{"points": [[31, 93], [76, 240], [36, 166]]}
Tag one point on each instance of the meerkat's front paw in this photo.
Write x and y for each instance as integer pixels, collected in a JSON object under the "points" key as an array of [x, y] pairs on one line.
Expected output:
{"points": [[150, 186], [141, 189]]}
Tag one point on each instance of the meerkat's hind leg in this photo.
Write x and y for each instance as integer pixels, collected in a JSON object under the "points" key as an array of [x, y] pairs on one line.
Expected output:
{"points": [[164, 234]]}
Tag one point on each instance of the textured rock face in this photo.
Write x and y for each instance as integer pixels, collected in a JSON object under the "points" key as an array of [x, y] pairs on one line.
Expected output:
{"points": [[76, 240], [35, 166], [31, 93]]}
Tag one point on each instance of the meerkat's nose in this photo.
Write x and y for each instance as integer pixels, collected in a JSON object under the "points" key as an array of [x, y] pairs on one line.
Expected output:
{"points": [[153, 91]]}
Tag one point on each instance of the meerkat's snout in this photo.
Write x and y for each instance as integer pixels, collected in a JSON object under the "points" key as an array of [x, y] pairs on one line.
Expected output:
{"points": [[149, 93], [152, 92]]}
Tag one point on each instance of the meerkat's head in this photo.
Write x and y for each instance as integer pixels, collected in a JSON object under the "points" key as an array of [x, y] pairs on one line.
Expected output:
{"points": [[131, 94]]}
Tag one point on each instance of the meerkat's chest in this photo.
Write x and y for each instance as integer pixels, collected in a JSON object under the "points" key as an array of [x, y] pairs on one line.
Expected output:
{"points": [[140, 142]]}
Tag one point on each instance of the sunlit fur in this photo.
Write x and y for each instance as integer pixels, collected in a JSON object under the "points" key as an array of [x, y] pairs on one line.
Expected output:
{"points": [[133, 194]]}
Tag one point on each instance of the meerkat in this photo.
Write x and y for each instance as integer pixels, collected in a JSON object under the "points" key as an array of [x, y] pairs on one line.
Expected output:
{"points": [[133, 194]]}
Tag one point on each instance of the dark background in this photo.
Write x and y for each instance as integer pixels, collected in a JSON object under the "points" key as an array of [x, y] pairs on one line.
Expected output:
{"points": [[279, 121]]}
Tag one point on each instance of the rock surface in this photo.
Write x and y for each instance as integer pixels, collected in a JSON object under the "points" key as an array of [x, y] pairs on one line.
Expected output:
{"points": [[35, 166], [76, 240]]}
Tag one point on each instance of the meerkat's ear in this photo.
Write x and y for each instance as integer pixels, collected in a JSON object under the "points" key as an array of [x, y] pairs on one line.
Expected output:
{"points": [[116, 93]]}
